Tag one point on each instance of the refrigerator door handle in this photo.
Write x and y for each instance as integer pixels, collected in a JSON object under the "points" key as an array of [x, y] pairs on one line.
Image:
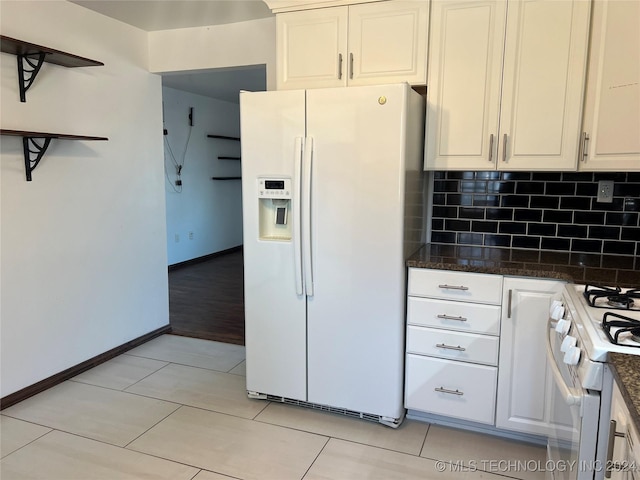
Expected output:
{"points": [[306, 215], [297, 229]]}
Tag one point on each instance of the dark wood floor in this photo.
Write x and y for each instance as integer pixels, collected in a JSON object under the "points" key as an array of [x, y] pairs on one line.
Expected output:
{"points": [[206, 299]]}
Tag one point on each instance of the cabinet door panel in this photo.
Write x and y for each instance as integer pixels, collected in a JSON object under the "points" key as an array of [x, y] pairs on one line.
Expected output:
{"points": [[612, 102], [463, 94], [543, 84], [310, 44], [388, 41]]}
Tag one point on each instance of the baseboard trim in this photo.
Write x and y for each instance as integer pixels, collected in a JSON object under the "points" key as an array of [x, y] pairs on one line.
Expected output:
{"points": [[204, 258], [53, 380]]}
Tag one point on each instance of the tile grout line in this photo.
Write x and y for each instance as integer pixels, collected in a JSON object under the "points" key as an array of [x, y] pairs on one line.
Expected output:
{"points": [[317, 456], [29, 443]]}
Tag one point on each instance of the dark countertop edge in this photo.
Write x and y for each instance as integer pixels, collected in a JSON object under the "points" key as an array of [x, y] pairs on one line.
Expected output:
{"points": [[626, 372], [495, 270]]}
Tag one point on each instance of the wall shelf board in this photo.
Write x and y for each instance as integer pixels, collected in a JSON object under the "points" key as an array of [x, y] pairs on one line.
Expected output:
{"points": [[226, 178], [31, 57], [228, 158], [34, 151], [223, 137]]}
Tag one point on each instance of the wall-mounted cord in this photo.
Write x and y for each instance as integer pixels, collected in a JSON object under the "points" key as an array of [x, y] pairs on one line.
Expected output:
{"points": [[177, 184]]}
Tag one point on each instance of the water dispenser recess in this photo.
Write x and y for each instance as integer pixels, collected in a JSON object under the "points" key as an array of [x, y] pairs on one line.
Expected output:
{"points": [[274, 197]]}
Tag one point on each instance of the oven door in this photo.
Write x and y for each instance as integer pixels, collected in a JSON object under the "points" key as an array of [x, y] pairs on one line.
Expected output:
{"points": [[571, 447]]}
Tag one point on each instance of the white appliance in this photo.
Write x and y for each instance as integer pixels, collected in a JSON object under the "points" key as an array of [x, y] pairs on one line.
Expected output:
{"points": [[332, 205], [582, 331]]}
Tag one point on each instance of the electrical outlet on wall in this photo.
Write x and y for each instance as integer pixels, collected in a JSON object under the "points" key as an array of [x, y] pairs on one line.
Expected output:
{"points": [[605, 191], [190, 235]]}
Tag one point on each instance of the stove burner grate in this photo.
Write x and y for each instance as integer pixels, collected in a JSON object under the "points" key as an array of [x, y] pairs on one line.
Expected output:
{"points": [[623, 325], [614, 297]]}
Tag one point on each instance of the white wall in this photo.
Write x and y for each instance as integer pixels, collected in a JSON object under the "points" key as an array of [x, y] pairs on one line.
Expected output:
{"points": [[232, 45], [83, 245], [212, 210]]}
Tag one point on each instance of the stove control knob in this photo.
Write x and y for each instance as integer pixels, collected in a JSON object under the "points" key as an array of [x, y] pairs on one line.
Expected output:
{"points": [[563, 326], [567, 343], [572, 356]]}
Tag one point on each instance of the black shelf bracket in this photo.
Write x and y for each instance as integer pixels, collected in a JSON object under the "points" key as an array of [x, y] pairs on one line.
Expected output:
{"points": [[33, 156], [28, 67]]}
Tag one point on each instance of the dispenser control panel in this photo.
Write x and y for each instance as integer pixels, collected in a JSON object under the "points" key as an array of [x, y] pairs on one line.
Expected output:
{"points": [[276, 188]]}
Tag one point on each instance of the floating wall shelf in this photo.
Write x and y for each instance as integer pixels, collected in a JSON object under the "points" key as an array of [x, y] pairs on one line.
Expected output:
{"points": [[31, 57], [34, 151], [224, 137], [228, 158]]}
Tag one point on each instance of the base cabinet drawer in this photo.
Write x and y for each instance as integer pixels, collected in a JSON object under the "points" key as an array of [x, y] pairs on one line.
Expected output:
{"points": [[466, 347], [461, 316], [459, 286], [455, 389]]}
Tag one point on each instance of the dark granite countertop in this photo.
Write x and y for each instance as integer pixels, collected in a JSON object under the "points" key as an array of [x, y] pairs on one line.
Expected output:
{"points": [[626, 371], [572, 267]]}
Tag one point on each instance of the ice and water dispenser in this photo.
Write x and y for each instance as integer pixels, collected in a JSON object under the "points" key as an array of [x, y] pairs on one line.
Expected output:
{"points": [[274, 211]]}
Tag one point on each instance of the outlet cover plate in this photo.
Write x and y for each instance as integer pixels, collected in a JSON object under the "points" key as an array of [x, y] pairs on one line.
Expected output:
{"points": [[605, 191]]}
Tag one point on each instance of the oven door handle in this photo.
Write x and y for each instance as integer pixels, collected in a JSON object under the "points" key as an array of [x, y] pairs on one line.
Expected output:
{"points": [[569, 396]]}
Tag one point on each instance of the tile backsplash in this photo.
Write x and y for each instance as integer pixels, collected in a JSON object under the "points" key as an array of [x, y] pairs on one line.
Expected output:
{"points": [[537, 210]]}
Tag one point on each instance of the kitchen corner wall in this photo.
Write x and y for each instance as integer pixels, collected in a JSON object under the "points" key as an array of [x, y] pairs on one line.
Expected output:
{"points": [[540, 211], [211, 210]]}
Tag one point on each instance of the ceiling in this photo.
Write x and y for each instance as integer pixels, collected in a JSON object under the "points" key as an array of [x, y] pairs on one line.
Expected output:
{"points": [[152, 15]]}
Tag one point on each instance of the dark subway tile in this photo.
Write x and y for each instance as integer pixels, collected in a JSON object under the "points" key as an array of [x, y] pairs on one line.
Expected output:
{"points": [[457, 225], [585, 259], [468, 212], [460, 175], [445, 212], [577, 176], [627, 219], [575, 203], [617, 261], [560, 188], [628, 278], [632, 205], [486, 200], [544, 202], [617, 205], [443, 237], [620, 248], [633, 177], [459, 199], [578, 231], [439, 175], [600, 276], [499, 213], [592, 246], [587, 189], [546, 176], [445, 186], [529, 188], [497, 240], [437, 224], [470, 239], [513, 228], [555, 244], [514, 201], [473, 187], [626, 190], [525, 242], [439, 198], [558, 216], [588, 218], [615, 176], [630, 233], [501, 187], [543, 229], [529, 215], [484, 227], [488, 175], [516, 175], [609, 233]]}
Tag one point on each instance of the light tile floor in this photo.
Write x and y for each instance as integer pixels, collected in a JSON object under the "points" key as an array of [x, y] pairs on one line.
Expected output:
{"points": [[176, 408]]}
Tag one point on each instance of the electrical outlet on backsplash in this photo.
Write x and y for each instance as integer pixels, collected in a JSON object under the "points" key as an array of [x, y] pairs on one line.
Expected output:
{"points": [[537, 210]]}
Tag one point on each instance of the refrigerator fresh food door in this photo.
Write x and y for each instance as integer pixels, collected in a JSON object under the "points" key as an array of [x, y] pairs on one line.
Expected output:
{"points": [[272, 126], [356, 314]]}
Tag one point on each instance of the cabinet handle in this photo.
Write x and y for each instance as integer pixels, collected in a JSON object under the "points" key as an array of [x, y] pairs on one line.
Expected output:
{"points": [[453, 287], [491, 148], [351, 66], [585, 148], [504, 148], [610, 445], [449, 317], [450, 392], [509, 303], [339, 66], [450, 347]]}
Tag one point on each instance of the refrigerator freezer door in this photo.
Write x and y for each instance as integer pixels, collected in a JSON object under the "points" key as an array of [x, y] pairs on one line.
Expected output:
{"points": [[272, 125], [356, 316]]}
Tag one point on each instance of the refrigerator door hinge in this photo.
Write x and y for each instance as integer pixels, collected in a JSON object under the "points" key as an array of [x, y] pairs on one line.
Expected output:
{"points": [[256, 395]]}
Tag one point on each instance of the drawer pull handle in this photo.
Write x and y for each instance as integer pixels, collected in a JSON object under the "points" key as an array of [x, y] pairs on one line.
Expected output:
{"points": [[451, 392], [449, 317], [450, 347], [453, 287]]}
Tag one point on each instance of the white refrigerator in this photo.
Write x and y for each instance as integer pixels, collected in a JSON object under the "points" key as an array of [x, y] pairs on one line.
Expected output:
{"points": [[332, 207]]}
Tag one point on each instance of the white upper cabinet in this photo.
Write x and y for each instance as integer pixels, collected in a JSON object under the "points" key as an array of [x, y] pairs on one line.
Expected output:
{"points": [[611, 138], [505, 84], [364, 44]]}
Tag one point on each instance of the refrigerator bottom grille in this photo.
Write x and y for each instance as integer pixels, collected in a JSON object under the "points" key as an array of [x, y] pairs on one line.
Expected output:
{"points": [[340, 411]]}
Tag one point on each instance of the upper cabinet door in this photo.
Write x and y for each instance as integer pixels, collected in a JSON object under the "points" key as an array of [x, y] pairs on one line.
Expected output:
{"points": [[388, 42], [612, 102], [463, 93], [543, 84], [312, 48]]}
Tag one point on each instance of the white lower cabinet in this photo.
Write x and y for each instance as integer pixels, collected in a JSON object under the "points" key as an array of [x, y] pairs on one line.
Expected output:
{"points": [[623, 455], [524, 378], [453, 326]]}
